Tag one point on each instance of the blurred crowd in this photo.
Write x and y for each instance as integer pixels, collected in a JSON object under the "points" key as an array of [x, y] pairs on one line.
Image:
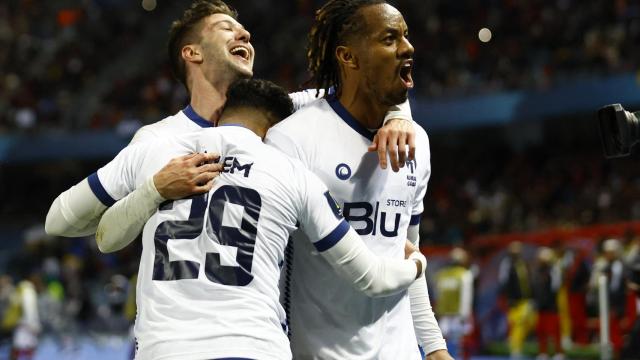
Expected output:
{"points": [[548, 296], [53, 53], [497, 189]]}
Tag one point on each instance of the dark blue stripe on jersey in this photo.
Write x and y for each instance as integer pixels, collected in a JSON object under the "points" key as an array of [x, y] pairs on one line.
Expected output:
{"points": [[193, 116], [99, 191], [349, 119], [415, 219], [288, 270], [328, 241]]}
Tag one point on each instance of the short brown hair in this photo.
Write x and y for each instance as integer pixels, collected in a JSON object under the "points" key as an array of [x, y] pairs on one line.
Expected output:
{"points": [[183, 31]]}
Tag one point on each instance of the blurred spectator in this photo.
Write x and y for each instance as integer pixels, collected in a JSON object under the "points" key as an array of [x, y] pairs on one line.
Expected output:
{"points": [[454, 284], [631, 348], [22, 317], [515, 287], [577, 279], [546, 284]]}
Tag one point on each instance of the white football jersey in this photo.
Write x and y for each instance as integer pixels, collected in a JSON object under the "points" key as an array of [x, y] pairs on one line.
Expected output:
{"points": [[328, 318], [188, 120], [208, 279]]}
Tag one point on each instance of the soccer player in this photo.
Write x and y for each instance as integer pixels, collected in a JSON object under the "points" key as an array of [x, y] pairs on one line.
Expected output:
{"points": [[360, 49], [208, 49], [208, 278]]}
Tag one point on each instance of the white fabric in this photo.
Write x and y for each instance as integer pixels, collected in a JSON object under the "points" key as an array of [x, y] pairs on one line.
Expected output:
{"points": [[428, 333], [175, 316], [75, 212], [173, 125], [123, 222], [370, 274], [346, 323]]}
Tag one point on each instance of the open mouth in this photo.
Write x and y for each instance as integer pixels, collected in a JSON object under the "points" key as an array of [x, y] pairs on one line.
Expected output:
{"points": [[405, 74], [241, 52]]}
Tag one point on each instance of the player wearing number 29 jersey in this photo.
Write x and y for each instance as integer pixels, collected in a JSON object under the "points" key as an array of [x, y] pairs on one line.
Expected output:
{"points": [[207, 283]]}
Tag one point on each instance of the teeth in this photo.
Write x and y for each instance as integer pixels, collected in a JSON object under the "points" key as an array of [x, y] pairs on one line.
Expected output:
{"points": [[240, 51]]}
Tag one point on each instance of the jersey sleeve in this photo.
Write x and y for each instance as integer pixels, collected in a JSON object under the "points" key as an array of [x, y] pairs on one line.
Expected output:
{"points": [[118, 178], [320, 215], [400, 111], [422, 168]]}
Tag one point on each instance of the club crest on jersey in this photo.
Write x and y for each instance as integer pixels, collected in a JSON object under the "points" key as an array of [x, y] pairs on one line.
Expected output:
{"points": [[231, 164], [333, 204], [343, 171], [411, 179]]}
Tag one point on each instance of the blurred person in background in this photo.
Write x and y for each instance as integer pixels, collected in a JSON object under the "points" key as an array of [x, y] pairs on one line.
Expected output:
{"points": [[577, 279], [614, 268], [454, 291], [631, 349], [547, 280], [22, 318], [515, 290]]}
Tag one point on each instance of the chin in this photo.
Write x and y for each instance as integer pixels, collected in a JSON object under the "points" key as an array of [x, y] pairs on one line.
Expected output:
{"points": [[396, 98]]}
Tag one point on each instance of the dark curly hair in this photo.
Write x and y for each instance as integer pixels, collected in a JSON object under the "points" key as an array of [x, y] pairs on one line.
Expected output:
{"points": [[185, 30], [260, 94], [337, 22]]}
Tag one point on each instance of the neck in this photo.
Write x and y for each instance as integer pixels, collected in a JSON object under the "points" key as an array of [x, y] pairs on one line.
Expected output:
{"points": [[368, 112], [207, 99], [252, 119]]}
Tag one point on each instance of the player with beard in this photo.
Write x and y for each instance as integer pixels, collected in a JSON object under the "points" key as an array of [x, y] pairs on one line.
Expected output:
{"points": [[360, 48], [208, 50], [207, 285]]}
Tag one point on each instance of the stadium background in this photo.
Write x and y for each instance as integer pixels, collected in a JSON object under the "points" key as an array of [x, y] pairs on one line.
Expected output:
{"points": [[515, 147]]}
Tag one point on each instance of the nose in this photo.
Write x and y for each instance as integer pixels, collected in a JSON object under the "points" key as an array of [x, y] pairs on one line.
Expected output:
{"points": [[243, 34], [405, 49]]}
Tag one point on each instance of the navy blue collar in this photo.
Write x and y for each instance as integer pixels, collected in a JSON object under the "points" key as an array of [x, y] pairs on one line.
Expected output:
{"points": [[193, 116], [349, 119]]}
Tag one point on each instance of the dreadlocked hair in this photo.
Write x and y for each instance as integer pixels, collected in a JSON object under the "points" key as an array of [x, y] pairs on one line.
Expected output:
{"points": [[334, 24]]}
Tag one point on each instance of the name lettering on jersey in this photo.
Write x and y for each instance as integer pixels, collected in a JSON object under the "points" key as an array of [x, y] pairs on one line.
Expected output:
{"points": [[396, 203], [374, 220], [231, 164], [411, 179]]}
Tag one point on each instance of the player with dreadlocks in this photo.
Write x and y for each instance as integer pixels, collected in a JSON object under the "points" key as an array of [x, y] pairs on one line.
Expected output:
{"points": [[360, 55]]}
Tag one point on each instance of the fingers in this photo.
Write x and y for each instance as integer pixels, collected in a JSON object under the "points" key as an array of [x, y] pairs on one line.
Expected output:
{"points": [[402, 150], [199, 158], [382, 149], [392, 144], [204, 179], [411, 141], [374, 144]]}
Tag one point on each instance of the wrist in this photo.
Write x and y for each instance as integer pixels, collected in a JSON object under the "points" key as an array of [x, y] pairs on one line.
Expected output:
{"points": [[152, 191], [421, 262]]}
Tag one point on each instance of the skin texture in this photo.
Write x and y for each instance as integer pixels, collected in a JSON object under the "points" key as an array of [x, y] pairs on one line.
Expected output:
{"points": [[370, 66]]}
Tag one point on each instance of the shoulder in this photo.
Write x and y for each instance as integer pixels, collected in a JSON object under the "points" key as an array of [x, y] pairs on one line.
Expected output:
{"points": [[168, 126], [301, 120]]}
